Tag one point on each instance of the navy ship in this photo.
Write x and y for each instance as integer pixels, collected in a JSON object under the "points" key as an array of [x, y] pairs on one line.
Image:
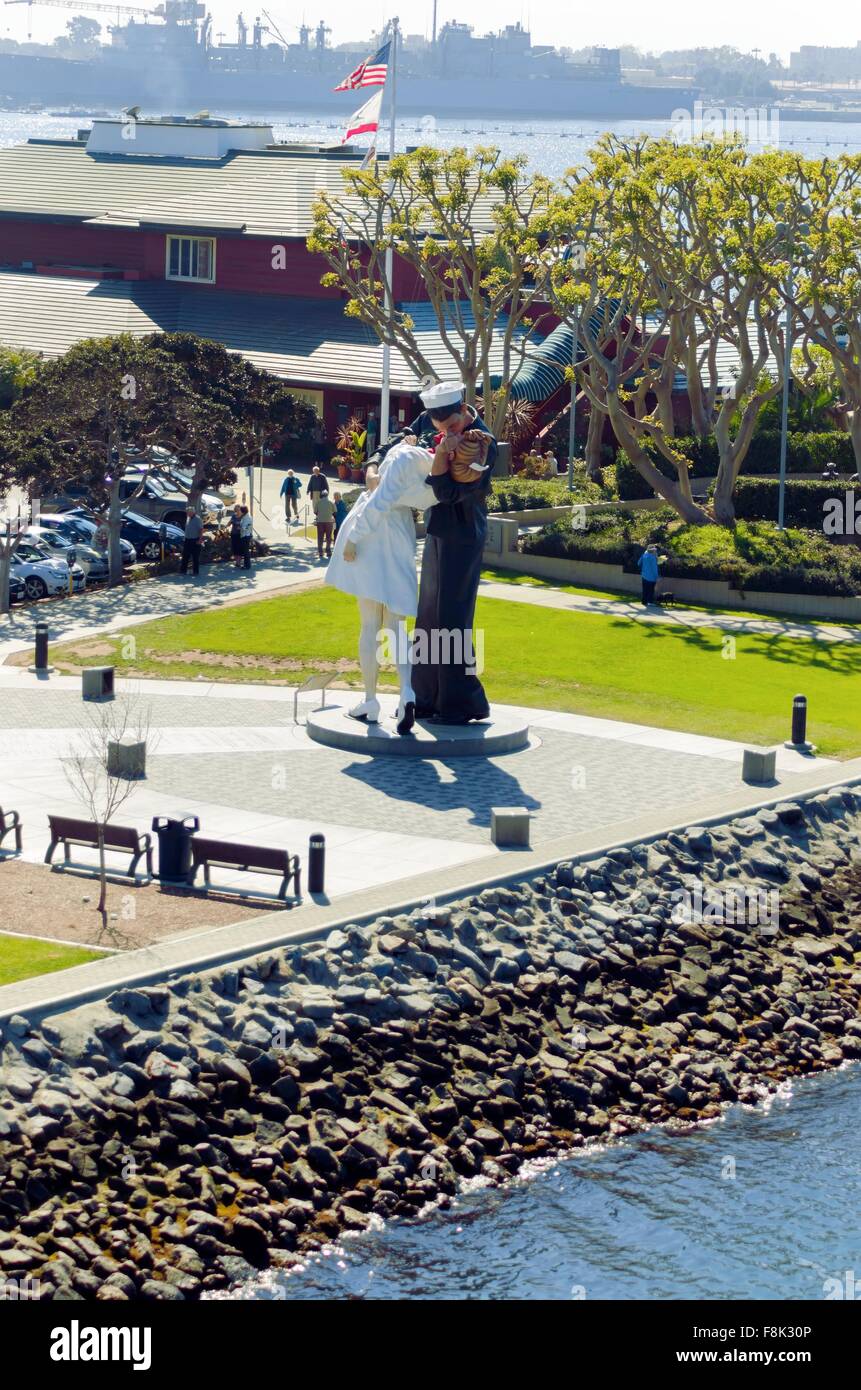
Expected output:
{"points": [[167, 59]]}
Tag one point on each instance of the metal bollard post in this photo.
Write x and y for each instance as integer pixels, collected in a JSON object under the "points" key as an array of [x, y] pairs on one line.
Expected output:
{"points": [[799, 719], [40, 662], [316, 863]]}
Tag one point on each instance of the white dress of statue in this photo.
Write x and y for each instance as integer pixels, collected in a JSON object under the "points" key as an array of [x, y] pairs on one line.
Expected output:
{"points": [[375, 559]]}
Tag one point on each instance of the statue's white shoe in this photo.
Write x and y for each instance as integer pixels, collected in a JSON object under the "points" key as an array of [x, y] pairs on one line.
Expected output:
{"points": [[367, 710]]}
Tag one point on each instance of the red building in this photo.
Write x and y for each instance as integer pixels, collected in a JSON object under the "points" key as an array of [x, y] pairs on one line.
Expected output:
{"points": [[198, 226]]}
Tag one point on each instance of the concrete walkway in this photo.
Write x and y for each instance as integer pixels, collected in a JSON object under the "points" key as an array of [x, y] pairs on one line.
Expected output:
{"points": [[69, 988], [740, 623]]}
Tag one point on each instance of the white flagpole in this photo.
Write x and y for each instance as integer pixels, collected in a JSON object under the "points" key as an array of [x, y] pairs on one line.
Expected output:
{"points": [[385, 393]]}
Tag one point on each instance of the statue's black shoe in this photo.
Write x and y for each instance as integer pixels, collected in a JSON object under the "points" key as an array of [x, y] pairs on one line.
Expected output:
{"points": [[408, 718]]}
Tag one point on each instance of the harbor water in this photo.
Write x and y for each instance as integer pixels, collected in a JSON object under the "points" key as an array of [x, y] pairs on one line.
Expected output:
{"points": [[552, 146], [762, 1204]]}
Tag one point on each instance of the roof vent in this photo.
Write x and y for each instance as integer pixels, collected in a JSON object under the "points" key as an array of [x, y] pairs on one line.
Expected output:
{"points": [[175, 137]]}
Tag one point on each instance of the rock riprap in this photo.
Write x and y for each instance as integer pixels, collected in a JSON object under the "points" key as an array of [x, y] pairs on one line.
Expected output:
{"points": [[171, 1139]]}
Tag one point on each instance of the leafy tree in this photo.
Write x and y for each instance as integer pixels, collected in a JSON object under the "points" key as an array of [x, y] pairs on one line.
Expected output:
{"points": [[84, 413], [18, 366], [827, 285], [242, 413], [468, 226], [623, 313], [686, 253]]}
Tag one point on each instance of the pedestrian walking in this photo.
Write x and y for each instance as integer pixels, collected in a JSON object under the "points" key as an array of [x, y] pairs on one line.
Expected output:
{"points": [[372, 434], [318, 486], [191, 542], [325, 522], [290, 490], [236, 535], [246, 533], [340, 512], [649, 573]]}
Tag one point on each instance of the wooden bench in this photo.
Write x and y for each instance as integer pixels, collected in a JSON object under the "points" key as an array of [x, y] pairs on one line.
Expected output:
{"points": [[10, 820], [65, 830], [224, 854]]}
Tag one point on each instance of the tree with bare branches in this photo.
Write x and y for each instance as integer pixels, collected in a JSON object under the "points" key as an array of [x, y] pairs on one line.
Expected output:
{"points": [[101, 793], [473, 230]]}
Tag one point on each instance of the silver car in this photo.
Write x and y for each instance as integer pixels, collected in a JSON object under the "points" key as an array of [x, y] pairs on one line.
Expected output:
{"points": [[55, 543]]}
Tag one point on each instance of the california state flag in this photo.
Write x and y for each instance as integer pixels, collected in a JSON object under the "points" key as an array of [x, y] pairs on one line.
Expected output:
{"points": [[366, 120]]}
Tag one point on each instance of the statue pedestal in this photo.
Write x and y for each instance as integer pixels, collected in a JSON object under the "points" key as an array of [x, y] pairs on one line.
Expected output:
{"points": [[334, 727]]}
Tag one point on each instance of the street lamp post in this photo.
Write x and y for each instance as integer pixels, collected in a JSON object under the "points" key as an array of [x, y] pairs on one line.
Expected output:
{"points": [[576, 254], [572, 418], [784, 408]]}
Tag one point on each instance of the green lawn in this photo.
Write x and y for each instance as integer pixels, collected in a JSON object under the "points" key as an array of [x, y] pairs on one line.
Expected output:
{"points": [[598, 664], [618, 596], [537, 582], [21, 957]]}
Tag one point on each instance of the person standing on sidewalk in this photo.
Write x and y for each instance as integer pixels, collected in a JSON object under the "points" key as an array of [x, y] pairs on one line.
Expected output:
{"points": [[191, 542], [649, 573], [340, 512], [246, 535], [325, 523], [318, 486]]}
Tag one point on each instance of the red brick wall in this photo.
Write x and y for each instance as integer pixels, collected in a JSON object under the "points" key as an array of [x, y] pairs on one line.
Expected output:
{"points": [[243, 264]]}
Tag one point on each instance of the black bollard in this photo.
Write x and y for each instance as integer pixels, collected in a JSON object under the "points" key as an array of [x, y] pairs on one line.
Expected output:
{"points": [[799, 719], [41, 658], [316, 863]]}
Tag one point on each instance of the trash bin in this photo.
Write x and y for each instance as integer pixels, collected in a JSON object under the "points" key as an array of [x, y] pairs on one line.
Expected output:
{"points": [[174, 846]]}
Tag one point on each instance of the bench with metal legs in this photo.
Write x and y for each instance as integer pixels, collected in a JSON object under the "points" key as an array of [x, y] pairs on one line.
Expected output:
{"points": [[66, 831], [263, 859], [10, 821]]}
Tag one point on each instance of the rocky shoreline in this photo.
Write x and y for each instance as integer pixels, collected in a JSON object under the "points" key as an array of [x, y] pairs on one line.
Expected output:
{"points": [[177, 1138]]}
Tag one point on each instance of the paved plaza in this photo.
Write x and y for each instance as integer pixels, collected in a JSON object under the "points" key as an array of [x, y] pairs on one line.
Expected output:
{"points": [[233, 756]]}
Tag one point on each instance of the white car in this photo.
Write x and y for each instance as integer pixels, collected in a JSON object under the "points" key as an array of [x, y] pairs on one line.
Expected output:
{"points": [[42, 576]]}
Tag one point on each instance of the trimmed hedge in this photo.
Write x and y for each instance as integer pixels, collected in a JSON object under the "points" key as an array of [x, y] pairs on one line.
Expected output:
{"points": [[805, 453], [756, 499], [752, 555], [518, 494]]}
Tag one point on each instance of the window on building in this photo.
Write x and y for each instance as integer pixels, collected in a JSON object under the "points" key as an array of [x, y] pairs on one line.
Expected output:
{"points": [[191, 258]]}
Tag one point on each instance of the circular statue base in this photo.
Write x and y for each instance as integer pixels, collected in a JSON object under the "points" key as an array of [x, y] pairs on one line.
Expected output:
{"points": [[499, 734]]}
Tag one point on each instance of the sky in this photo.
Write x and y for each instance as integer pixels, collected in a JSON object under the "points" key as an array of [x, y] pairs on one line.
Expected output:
{"points": [[767, 26]]}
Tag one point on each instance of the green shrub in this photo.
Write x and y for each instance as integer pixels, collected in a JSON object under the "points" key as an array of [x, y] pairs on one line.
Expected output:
{"points": [[805, 453], [518, 494], [757, 499], [750, 555]]}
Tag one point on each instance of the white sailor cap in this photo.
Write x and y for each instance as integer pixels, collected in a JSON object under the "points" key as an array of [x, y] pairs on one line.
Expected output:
{"points": [[442, 394]]}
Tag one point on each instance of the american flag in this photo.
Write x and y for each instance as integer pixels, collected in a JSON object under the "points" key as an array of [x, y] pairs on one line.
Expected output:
{"points": [[371, 73]]}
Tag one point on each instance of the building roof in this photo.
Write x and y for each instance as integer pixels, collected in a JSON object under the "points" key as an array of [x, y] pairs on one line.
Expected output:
{"points": [[307, 341], [251, 192]]}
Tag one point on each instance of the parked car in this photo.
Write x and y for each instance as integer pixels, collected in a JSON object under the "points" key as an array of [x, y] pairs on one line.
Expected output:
{"points": [[145, 535], [157, 501], [17, 592], [80, 525], [42, 575], [93, 562], [70, 494], [167, 467]]}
